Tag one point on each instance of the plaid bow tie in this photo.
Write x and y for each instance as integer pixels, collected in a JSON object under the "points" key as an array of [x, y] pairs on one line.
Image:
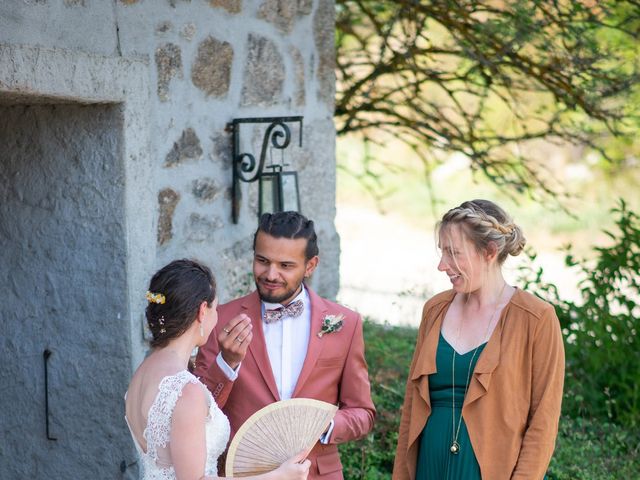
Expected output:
{"points": [[294, 309]]}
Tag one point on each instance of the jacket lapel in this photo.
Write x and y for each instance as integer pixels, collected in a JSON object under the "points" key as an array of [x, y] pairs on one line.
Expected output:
{"points": [[318, 311], [424, 366], [258, 346], [425, 363], [487, 363]]}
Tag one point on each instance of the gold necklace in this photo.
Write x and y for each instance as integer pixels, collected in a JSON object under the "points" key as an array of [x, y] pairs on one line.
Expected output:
{"points": [[455, 446]]}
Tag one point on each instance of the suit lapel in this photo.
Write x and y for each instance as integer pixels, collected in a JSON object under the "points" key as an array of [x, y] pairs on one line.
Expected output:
{"points": [[318, 312], [258, 346]]}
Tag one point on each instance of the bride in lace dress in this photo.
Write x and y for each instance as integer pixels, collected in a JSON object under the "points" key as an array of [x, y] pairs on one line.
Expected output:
{"points": [[177, 428]]}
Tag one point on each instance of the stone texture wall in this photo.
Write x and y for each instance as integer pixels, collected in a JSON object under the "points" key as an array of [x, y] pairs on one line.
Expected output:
{"points": [[218, 60], [211, 61], [64, 280], [203, 63]]}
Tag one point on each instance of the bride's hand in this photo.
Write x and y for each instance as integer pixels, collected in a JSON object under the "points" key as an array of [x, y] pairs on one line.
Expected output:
{"points": [[294, 468]]}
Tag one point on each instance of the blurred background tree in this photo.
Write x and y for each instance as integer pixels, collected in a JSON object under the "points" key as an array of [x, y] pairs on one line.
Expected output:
{"points": [[534, 104], [487, 79]]}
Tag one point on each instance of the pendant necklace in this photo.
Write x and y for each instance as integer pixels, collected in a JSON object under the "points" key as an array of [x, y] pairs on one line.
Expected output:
{"points": [[455, 431]]}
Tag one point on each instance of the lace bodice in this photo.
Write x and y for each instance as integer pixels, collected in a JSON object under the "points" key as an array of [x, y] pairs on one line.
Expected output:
{"points": [[156, 461]]}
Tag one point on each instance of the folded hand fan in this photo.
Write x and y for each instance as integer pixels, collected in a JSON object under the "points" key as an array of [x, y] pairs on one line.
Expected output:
{"points": [[276, 433]]}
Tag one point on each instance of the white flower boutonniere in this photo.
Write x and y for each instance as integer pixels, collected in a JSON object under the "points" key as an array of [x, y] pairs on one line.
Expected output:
{"points": [[330, 324]]}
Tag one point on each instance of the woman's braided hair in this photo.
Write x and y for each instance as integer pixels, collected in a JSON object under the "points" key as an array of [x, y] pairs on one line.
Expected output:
{"points": [[484, 222]]}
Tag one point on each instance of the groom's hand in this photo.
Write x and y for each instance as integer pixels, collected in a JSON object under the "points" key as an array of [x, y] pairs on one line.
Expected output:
{"points": [[234, 339]]}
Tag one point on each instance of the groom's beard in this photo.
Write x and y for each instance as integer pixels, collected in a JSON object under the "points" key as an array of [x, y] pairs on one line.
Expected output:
{"points": [[272, 297]]}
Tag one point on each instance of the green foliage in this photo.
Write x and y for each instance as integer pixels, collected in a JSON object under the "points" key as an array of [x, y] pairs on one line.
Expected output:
{"points": [[594, 450], [585, 449], [598, 437], [389, 351], [488, 80], [601, 330]]}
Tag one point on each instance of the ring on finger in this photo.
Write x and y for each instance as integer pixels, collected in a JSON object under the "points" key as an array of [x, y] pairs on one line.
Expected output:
{"points": [[238, 340]]}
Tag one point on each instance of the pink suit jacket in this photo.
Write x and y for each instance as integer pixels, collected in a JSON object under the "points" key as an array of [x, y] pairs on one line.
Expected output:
{"points": [[334, 371]]}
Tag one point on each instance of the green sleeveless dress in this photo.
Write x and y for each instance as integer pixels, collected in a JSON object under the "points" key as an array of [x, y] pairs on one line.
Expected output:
{"points": [[435, 460]]}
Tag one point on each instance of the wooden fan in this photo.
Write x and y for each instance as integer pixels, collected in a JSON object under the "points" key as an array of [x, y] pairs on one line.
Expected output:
{"points": [[276, 433]]}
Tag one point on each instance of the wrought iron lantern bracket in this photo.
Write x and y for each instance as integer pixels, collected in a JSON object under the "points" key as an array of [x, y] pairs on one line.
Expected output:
{"points": [[245, 166]]}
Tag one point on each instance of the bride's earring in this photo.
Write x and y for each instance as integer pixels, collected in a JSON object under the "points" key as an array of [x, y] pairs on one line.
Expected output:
{"points": [[201, 330]]}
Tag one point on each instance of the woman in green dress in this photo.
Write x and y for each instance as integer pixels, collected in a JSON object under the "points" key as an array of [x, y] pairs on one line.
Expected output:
{"points": [[485, 385]]}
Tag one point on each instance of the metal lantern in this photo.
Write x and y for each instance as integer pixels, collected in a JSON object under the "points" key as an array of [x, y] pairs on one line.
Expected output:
{"points": [[278, 188]]}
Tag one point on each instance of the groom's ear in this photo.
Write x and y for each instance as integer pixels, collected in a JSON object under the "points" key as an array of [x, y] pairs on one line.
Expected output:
{"points": [[311, 265]]}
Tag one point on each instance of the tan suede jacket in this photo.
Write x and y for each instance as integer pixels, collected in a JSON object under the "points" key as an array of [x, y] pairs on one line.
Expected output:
{"points": [[512, 406]]}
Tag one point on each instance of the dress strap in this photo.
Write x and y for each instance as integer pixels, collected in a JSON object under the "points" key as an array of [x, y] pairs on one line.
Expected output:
{"points": [[158, 429]]}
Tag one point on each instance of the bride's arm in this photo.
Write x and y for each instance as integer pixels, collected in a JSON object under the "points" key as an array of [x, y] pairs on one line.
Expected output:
{"points": [[188, 444], [188, 439]]}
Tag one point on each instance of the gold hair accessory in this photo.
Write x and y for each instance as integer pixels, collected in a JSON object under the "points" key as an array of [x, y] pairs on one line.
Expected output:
{"points": [[155, 298]]}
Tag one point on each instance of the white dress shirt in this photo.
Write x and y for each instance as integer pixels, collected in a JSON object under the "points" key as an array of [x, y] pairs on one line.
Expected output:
{"points": [[287, 341]]}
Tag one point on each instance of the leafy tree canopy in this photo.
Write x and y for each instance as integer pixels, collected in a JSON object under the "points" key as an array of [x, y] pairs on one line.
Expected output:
{"points": [[487, 78]]}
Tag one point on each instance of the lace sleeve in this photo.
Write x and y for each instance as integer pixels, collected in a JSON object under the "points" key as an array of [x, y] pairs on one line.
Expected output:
{"points": [[157, 433]]}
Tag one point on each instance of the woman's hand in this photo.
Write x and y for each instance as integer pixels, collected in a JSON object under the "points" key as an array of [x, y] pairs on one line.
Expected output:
{"points": [[296, 468]]}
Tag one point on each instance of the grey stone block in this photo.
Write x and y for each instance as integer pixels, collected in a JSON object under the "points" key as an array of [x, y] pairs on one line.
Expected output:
{"points": [[211, 71], [263, 73]]}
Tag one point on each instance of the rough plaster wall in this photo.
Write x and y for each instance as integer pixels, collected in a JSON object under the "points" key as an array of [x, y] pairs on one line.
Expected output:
{"points": [[209, 62], [64, 285], [278, 56], [86, 25], [205, 62]]}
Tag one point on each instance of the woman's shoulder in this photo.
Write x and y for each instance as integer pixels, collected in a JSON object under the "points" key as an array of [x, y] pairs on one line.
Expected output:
{"points": [[436, 304], [530, 305], [157, 378], [439, 299], [181, 391], [191, 407], [532, 314], [192, 395]]}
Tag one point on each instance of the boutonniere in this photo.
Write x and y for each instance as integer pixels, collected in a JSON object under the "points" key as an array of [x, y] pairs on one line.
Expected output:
{"points": [[330, 324]]}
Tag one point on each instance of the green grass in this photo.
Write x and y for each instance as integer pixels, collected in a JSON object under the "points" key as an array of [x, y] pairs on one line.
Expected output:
{"points": [[586, 449], [591, 449]]}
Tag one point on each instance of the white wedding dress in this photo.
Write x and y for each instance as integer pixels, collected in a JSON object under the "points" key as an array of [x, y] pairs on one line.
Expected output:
{"points": [[156, 462]]}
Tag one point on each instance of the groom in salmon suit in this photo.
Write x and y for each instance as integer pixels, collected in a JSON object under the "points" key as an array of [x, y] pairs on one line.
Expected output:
{"points": [[271, 344]]}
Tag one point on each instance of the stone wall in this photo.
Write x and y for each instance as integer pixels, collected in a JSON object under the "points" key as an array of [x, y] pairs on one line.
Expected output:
{"points": [[63, 279], [168, 75], [209, 62], [219, 60]]}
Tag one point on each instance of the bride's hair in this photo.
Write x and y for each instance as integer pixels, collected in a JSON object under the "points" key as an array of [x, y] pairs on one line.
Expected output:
{"points": [[176, 293]]}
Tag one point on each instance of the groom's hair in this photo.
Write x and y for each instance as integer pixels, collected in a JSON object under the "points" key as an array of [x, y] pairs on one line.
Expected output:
{"points": [[289, 225]]}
